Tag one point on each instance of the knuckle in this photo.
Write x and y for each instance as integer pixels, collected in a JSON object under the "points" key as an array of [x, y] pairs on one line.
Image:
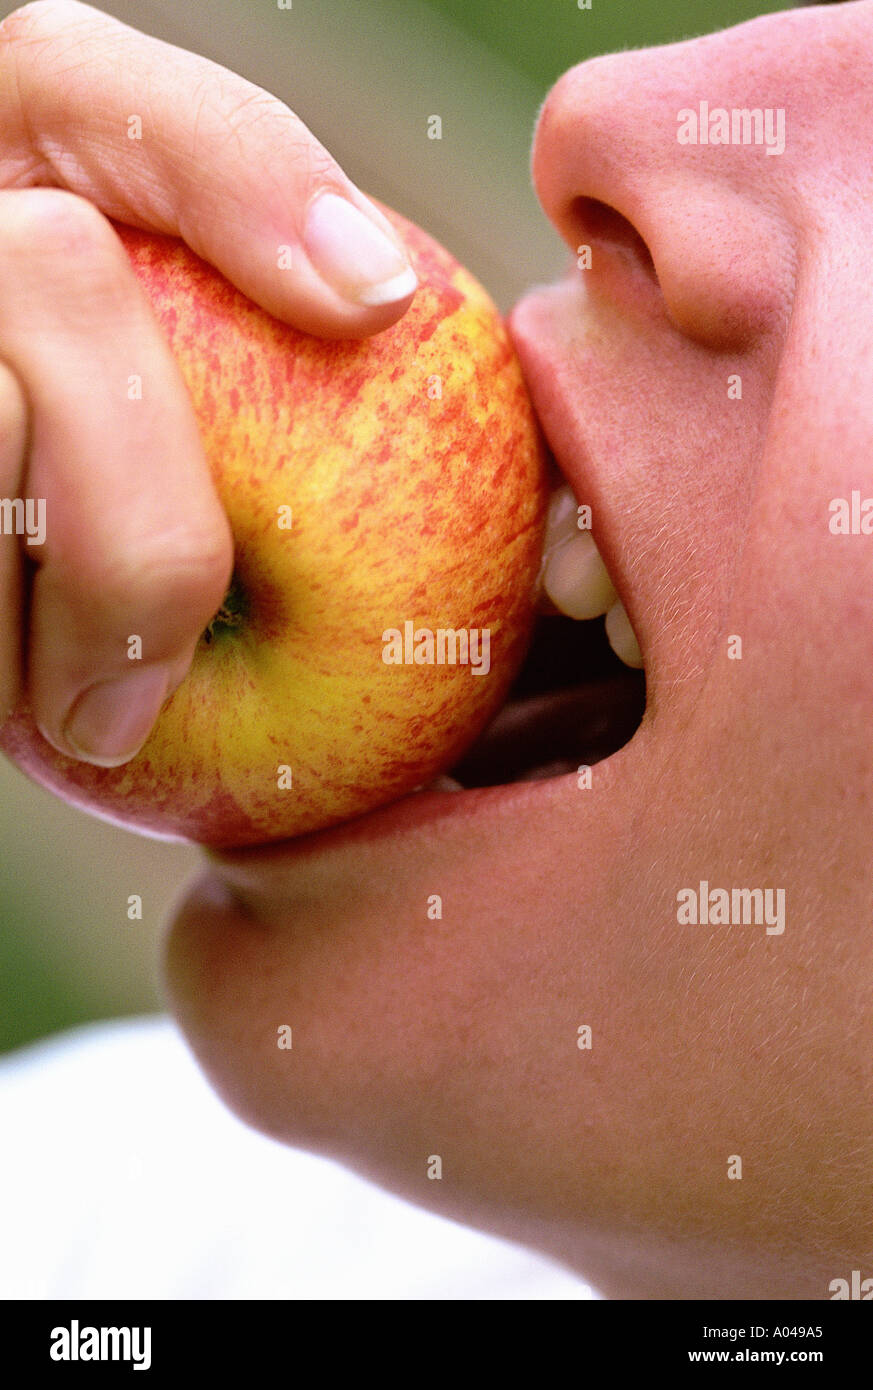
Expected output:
{"points": [[314, 166], [235, 111], [229, 106], [57, 224], [72, 226], [248, 106], [184, 574]]}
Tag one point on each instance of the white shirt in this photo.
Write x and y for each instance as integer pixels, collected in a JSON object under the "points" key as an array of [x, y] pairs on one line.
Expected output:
{"points": [[123, 1176]]}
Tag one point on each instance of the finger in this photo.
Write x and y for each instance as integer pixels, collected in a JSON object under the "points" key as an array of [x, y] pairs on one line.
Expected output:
{"points": [[169, 141], [136, 542], [13, 524]]}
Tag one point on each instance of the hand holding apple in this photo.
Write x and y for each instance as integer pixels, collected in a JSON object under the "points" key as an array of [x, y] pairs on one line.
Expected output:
{"points": [[386, 499], [137, 543]]}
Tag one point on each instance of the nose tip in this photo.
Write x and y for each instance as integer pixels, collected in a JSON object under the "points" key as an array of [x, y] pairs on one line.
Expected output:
{"points": [[704, 223], [584, 126]]}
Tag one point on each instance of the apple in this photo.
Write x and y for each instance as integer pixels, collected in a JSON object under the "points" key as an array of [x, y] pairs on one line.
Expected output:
{"points": [[387, 501]]}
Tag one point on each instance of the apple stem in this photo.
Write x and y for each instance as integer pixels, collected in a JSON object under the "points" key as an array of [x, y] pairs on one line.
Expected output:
{"points": [[231, 613]]}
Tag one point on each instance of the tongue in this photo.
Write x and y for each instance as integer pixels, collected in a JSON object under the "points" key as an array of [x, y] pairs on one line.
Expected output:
{"points": [[573, 703], [554, 733]]}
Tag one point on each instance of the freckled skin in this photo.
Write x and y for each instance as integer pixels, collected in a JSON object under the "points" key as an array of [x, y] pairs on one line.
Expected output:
{"points": [[404, 508]]}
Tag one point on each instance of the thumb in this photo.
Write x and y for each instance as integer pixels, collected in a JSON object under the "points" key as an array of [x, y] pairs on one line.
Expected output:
{"points": [[210, 158]]}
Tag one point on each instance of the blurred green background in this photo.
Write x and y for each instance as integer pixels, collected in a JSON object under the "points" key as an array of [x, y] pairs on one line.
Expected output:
{"points": [[365, 77]]}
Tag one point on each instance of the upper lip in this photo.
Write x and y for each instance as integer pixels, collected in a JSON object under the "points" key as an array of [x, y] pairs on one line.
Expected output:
{"points": [[543, 365]]}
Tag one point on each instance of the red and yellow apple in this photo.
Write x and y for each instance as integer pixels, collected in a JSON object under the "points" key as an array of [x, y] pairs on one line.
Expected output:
{"points": [[369, 485]]}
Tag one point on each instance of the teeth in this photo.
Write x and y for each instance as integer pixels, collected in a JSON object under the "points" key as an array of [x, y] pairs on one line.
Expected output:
{"points": [[442, 784], [575, 578], [561, 520], [621, 636]]}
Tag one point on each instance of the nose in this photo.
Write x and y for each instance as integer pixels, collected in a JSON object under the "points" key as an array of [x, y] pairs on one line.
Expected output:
{"points": [[616, 168]]}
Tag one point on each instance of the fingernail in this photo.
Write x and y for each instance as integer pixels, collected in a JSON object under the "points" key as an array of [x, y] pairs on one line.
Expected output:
{"points": [[111, 721], [353, 255]]}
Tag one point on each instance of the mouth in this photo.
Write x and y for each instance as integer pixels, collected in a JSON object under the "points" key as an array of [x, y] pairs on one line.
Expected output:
{"points": [[581, 693]]}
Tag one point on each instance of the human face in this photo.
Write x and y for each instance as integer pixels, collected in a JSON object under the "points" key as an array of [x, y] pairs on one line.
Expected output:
{"points": [[713, 266]]}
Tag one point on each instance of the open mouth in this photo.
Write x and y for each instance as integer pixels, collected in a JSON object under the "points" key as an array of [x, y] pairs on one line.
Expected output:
{"points": [[572, 705], [581, 693]]}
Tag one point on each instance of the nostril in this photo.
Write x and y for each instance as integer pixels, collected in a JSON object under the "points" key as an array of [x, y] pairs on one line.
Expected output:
{"points": [[598, 222]]}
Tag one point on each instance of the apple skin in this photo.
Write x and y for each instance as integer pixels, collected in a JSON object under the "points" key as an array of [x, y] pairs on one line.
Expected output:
{"points": [[405, 505]]}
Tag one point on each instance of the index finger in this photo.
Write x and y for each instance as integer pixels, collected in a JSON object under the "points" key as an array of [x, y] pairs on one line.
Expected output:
{"points": [[171, 142]]}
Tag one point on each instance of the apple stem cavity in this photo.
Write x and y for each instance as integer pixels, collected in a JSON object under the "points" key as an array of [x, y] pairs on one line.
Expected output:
{"points": [[230, 616]]}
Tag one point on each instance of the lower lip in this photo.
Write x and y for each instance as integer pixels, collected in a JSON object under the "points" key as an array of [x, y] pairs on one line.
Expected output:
{"points": [[423, 808]]}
